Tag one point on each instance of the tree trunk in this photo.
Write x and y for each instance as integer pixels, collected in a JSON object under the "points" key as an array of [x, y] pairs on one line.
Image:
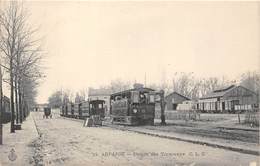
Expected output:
{"points": [[23, 105], [12, 95], [20, 103], [16, 101], [1, 108]]}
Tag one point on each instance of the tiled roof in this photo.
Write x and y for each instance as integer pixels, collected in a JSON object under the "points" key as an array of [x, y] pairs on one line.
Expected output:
{"points": [[218, 92], [134, 89], [177, 94], [224, 89]]}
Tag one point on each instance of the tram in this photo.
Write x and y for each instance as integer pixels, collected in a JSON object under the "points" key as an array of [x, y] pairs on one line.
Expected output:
{"points": [[133, 107]]}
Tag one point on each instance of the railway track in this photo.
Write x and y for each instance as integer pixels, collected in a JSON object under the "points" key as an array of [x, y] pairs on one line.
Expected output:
{"points": [[251, 136]]}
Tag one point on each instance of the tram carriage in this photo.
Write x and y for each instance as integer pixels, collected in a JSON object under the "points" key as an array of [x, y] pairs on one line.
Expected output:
{"points": [[70, 110], [133, 107], [63, 110], [84, 109], [97, 108], [76, 113]]}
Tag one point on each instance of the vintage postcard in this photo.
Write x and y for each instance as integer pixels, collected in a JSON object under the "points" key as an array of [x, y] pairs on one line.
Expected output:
{"points": [[120, 83]]}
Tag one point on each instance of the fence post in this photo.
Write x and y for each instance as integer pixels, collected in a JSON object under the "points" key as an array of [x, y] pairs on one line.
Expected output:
{"points": [[238, 117]]}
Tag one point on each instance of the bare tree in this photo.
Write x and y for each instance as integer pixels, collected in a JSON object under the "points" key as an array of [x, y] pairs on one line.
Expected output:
{"points": [[80, 96], [188, 85], [251, 80], [21, 55], [119, 85], [11, 23], [185, 84], [83, 94], [55, 100]]}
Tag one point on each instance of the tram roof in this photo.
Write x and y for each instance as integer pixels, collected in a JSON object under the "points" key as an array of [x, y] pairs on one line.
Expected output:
{"points": [[96, 101], [134, 89], [90, 101]]}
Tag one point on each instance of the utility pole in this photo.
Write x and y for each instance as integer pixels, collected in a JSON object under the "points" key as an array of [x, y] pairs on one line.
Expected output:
{"points": [[145, 79], [162, 108]]}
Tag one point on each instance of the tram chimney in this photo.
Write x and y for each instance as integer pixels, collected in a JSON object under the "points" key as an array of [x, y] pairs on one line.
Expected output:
{"points": [[138, 86]]}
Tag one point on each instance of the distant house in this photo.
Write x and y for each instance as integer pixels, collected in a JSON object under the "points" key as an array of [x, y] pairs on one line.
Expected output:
{"points": [[228, 99], [39, 107], [173, 99], [100, 94]]}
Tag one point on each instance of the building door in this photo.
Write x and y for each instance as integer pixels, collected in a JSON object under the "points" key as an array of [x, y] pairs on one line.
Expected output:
{"points": [[233, 103], [174, 106], [223, 106]]}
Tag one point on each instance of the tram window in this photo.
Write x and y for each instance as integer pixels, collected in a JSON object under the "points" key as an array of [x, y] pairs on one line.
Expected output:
{"points": [[135, 97], [157, 98], [99, 105], [118, 97], [152, 99], [142, 98]]}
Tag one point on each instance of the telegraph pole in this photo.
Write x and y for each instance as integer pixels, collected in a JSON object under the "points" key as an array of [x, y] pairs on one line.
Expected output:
{"points": [[145, 79], [162, 108]]}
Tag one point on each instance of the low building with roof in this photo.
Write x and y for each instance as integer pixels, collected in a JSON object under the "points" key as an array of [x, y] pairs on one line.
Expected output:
{"points": [[173, 100], [40, 106], [229, 99]]}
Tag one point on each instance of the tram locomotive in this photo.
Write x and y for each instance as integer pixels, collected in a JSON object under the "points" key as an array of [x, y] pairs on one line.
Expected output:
{"points": [[133, 107], [130, 107]]}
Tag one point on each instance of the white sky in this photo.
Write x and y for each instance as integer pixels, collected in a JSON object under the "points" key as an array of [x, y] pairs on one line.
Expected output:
{"points": [[92, 43]]}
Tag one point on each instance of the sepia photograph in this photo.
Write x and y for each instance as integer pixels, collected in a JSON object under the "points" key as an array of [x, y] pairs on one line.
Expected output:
{"points": [[129, 83]]}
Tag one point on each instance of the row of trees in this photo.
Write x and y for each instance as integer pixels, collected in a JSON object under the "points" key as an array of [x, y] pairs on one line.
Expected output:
{"points": [[21, 58], [192, 87], [63, 96], [185, 84]]}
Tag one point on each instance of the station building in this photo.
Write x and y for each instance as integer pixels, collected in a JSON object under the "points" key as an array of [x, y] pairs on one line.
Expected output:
{"points": [[229, 99]]}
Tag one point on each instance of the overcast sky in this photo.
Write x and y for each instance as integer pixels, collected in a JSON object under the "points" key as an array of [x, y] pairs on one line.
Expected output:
{"points": [[92, 43]]}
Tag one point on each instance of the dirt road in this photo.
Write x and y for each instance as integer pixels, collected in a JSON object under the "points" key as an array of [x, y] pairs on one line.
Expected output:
{"points": [[67, 142]]}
